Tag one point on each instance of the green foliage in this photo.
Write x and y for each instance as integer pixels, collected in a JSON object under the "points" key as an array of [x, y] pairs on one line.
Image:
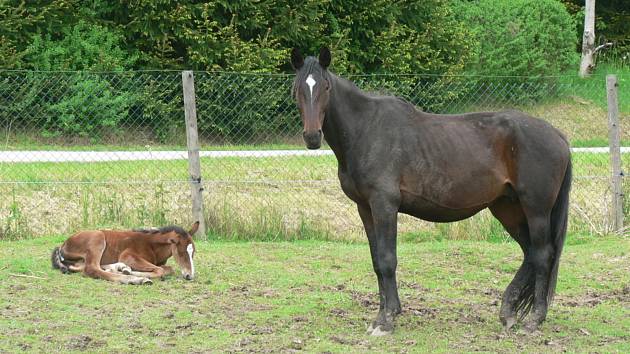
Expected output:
{"points": [[520, 37], [244, 108], [71, 116], [83, 46], [20, 20]]}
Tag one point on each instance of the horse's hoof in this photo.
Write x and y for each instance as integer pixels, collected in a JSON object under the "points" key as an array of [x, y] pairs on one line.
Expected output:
{"points": [[126, 271], [379, 332], [508, 323], [147, 281], [530, 328]]}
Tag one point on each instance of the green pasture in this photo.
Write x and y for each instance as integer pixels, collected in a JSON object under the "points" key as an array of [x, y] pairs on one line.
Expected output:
{"points": [[313, 296], [280, 168], [270, 198]]}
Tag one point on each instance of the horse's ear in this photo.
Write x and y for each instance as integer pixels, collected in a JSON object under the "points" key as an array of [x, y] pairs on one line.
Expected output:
{"points": [[296, 59], [194, 228], [324, 57]]}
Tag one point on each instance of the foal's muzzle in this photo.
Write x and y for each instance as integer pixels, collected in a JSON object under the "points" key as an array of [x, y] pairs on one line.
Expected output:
{"points": [[313, 140]]}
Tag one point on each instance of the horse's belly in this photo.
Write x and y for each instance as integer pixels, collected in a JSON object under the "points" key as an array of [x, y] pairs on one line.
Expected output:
{"points": [[427, 210]]}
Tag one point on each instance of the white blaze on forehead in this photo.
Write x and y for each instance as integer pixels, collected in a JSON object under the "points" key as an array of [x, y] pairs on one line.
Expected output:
{"points": [[190, 251], [311, 82]]}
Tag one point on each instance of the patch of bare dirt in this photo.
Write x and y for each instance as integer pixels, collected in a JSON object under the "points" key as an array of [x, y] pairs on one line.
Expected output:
{"points": [[83, 342], [593, 298]]}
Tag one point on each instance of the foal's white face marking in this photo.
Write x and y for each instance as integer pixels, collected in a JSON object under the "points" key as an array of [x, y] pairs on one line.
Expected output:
{"points": [[311, 82], [190, 251]]}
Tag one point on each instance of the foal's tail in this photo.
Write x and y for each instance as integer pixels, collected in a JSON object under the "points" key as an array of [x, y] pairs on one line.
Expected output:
{"points": [[559, 216], [56, 259]]}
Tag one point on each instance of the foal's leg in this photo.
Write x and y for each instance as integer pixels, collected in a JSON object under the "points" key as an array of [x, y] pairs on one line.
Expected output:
{"points": [[385, 216], [95, 248], [142, 267], [119, 267], [368, 223]]}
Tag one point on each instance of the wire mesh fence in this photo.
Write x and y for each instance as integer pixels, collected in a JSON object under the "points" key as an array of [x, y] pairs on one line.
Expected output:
{"points": [[83, 150]]}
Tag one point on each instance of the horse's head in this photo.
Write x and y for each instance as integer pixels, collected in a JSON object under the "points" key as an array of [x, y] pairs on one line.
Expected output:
{"points": [[311, 90], [183, 249]]}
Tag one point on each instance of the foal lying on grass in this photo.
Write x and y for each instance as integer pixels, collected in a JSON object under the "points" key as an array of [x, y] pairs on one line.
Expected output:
{"points": [[127, 257]]}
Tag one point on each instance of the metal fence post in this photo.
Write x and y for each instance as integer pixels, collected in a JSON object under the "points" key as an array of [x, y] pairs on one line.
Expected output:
{"points": [[192, 139], [615, 152]]}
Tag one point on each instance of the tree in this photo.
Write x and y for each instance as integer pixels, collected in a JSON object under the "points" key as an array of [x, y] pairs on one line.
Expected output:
{"points": [[588, 40]]}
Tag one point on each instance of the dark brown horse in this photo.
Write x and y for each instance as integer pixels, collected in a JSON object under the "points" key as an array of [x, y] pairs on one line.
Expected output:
{"points": [[128, 257], [442, 168]]}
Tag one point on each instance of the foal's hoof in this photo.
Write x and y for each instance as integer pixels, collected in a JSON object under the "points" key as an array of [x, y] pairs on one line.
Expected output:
{"points": [[126, 271], [147, 281]]}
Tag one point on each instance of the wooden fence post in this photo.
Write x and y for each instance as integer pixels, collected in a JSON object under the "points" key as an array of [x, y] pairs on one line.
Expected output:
{"points": [[615, 152], [192, 138]]}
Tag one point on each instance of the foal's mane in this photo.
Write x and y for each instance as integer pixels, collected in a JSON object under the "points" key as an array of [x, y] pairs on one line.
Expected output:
{"points": [[164, 230]]}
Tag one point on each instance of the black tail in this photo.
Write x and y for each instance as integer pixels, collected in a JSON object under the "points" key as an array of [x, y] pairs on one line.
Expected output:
{"points": [[57, 260], [559, 217], [558, 223]]}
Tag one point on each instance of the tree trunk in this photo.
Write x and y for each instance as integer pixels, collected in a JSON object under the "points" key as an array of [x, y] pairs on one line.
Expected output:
{"points": [[588, 39]]}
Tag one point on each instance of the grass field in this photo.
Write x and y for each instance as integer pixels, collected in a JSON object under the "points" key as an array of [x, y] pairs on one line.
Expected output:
{"points": [[246, 198], [313, 296]]}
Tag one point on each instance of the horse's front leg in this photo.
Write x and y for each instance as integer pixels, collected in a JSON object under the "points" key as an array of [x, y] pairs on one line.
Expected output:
{"points": [[385, 215], [368, 223], [142, 268]]}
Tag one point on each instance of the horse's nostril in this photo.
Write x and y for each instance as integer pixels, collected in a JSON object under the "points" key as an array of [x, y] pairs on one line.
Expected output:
{"points": [[320, 132], [188, 277]]}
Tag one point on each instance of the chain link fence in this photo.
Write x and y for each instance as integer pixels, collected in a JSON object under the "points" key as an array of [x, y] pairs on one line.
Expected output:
{"points": [[85, 150]]}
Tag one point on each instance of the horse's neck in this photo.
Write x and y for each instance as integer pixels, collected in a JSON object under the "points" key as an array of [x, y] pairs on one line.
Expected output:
{"points": [[346, 117]]}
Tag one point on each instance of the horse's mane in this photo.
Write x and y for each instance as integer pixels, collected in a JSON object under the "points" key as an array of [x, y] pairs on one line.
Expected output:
{"points": [[164, 230], [378, 93]]}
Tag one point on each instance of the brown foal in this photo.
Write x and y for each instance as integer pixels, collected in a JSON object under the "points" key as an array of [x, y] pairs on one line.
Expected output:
{"points": [[127, 257]]}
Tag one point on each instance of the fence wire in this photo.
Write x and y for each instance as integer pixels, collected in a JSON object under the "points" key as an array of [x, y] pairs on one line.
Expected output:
{"points": [[83, 149]]}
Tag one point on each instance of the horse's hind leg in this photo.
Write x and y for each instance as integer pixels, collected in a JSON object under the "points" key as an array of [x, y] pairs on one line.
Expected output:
{"points": [[511, 216], [95, 248], [519, 292], [540, 254]]}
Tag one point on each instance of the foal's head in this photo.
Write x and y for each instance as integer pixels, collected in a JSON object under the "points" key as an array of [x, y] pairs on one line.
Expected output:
{"points": [[311, 90], [183, 249]]}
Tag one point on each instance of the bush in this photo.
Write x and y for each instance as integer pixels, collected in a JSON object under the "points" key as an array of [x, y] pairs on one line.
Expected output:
{"points": [[81, 104], [90, 108], [519, 37]]}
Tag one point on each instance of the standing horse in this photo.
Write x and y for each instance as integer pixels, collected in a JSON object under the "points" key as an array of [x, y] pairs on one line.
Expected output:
{"points": [[139, 255], [442, 168]]}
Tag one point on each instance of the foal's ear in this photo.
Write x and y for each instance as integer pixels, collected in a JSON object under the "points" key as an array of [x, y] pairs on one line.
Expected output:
{"points": [[296, 59], [194, 228], [324, 57]]}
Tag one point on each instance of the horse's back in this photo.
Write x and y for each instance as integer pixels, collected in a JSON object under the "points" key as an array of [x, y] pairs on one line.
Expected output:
{"points": [[106, 241], [465, 162]]}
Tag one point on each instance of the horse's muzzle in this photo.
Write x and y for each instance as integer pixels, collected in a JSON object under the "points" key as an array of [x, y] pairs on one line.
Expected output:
{"points": [[313, 140], [188, 277]]}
